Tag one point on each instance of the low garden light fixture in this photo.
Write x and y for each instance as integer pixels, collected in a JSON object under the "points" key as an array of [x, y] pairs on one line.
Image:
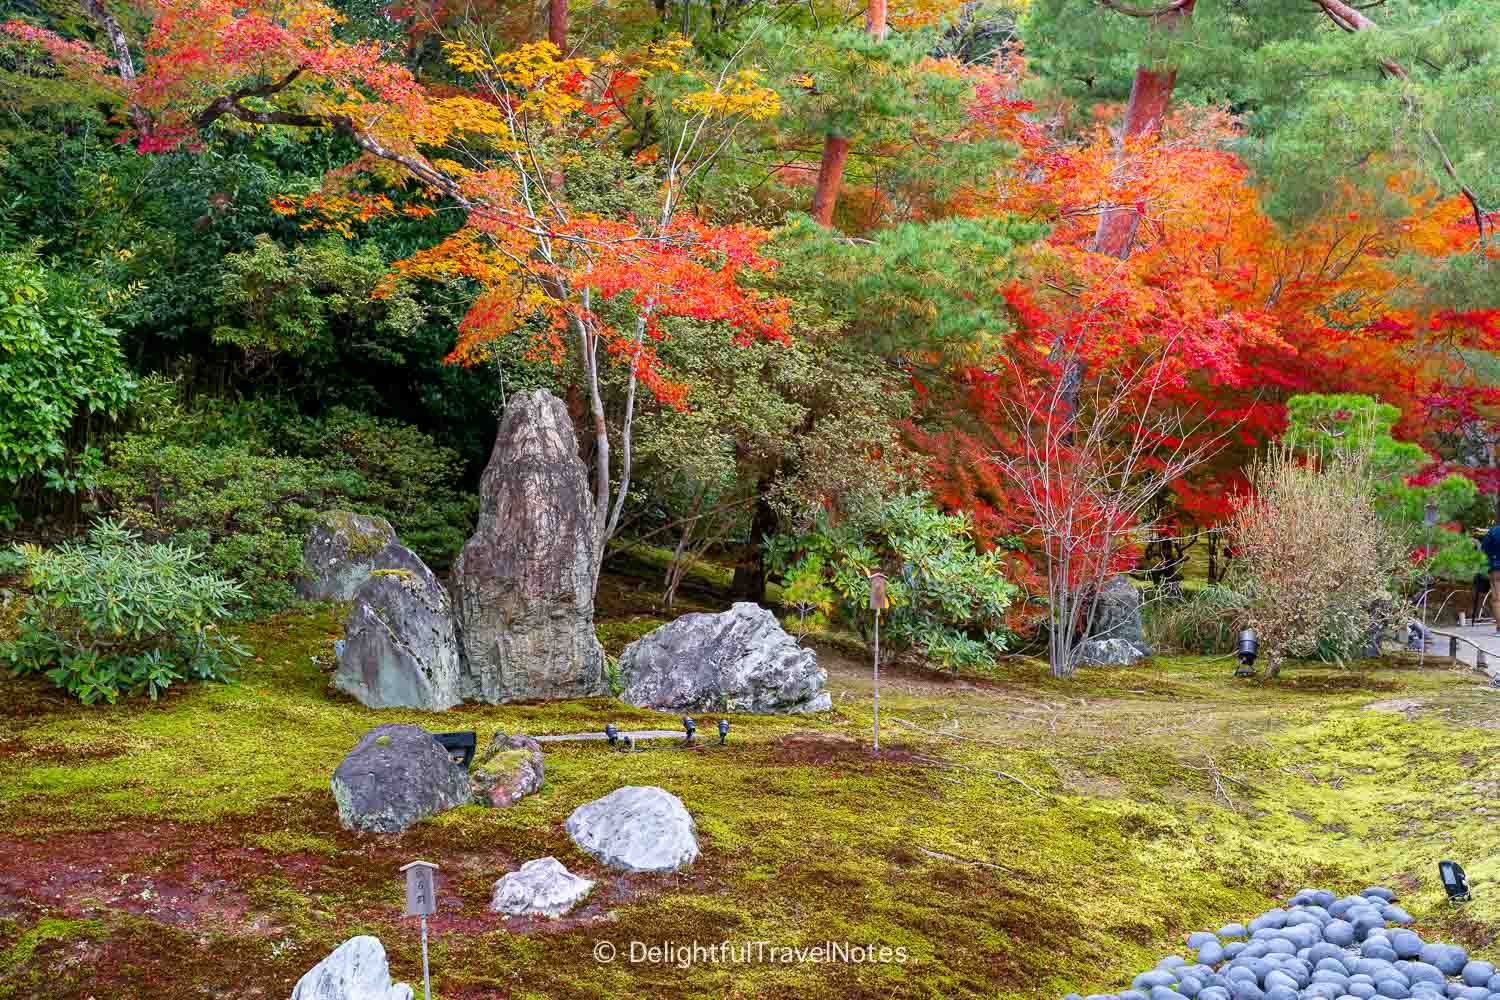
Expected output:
{"points": [[460, 746], [690, 727], [723, 731], [611, 733], [1248, 649], [1455, 883]]}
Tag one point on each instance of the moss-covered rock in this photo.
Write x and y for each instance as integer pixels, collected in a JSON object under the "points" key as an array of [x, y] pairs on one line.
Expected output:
{"points": [[341, 550]]}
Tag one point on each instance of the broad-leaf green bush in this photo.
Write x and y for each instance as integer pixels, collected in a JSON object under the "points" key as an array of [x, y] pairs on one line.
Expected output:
{"points": [[947, 601], [114, 616], [59, 364]]}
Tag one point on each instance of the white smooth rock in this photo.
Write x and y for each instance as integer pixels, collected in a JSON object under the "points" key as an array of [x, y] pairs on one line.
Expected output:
{"points": [[543, 887]]}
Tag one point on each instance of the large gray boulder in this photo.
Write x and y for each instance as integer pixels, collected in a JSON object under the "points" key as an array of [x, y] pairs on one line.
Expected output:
{"points": [[340, 550], [395, 776], [636, 829], [741, 660], [543, 887], [1116, 634], [507, 770], [355, 970], [399, 648], [524, 584]]}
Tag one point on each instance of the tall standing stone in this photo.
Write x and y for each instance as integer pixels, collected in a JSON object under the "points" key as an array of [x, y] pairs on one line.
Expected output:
{"points": [[524, 584]]}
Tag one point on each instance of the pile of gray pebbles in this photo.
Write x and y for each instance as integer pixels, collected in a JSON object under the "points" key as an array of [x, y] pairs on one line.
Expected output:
{"points": [[1317, 947]]}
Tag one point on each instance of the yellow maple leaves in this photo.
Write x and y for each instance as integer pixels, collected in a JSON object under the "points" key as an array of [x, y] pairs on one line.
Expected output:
{"points": [[741, 94]]}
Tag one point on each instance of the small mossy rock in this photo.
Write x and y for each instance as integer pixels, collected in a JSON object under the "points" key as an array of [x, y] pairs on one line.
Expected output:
{"points": [[741, 660], [395, 776], [355, 970], [543, 887], [524, 583], [340, 550], [507, 770], [636, 829], [400, 649]]}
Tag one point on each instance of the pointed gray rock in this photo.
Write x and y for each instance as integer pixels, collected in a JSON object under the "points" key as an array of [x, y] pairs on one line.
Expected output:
{"points": [[524, 584], [399, 649]]}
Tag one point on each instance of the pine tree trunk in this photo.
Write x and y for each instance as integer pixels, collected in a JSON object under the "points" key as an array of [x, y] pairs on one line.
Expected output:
{"points": [[830, 179], [557, 24], [1150, 97]]}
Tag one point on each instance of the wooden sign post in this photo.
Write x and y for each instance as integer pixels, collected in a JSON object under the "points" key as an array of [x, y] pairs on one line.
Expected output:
{"points": [[878, 603], [421, 899]]}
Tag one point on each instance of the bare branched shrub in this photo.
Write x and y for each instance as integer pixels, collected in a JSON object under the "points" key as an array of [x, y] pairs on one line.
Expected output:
{"points": [[1088, 461], [1314, 557]]}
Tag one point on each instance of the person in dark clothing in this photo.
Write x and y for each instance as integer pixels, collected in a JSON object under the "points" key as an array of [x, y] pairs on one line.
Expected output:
{"points": [[1491, 546]]}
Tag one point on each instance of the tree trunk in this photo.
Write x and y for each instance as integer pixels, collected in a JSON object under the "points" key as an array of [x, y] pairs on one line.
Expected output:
{"points": [[677, 568], [750, 575], [115, 34], [1150, 97], [557, 24], [830, 179], [875, 18]]}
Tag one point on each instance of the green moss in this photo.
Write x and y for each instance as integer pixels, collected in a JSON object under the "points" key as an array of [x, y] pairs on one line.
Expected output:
{"points": [[46, 929], [295, 842], [367, 534], [1168, 797], [615, 636]]}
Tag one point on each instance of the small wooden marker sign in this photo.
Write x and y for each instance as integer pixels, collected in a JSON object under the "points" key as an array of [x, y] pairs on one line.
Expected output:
{"points": [[878, 600], [421, 898]]}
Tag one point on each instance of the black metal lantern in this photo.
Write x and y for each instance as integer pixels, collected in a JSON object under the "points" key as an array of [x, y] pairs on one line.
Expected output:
{"points": [[611, 733], [690, 727], [1455, 883], [1249, 647], [460, 746], [723, 731]]}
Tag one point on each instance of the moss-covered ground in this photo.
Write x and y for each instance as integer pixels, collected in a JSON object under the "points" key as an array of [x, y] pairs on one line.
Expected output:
{"points": [[1019, 837]]}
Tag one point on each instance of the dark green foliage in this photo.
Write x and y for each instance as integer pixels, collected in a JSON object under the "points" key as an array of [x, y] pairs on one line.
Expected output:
{"points": [[400, 473], [241, 483], [947, 601], [61, 369], [112, 616], [246, 513], [928, 288], [303, 301]]}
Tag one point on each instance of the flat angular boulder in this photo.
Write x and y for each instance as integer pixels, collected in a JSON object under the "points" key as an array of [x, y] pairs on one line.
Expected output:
{"points": [[741, 660], [340, 550], [355, 970], [507, 770], [395, 776], [399, 648], [524, 583], [543, 887], [636, 829]]}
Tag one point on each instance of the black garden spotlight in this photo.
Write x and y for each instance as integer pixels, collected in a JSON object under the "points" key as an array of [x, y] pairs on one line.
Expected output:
{"points": [[723, 731], [611, 733], [1455, 883], [690, 727], [1249, 647]]}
